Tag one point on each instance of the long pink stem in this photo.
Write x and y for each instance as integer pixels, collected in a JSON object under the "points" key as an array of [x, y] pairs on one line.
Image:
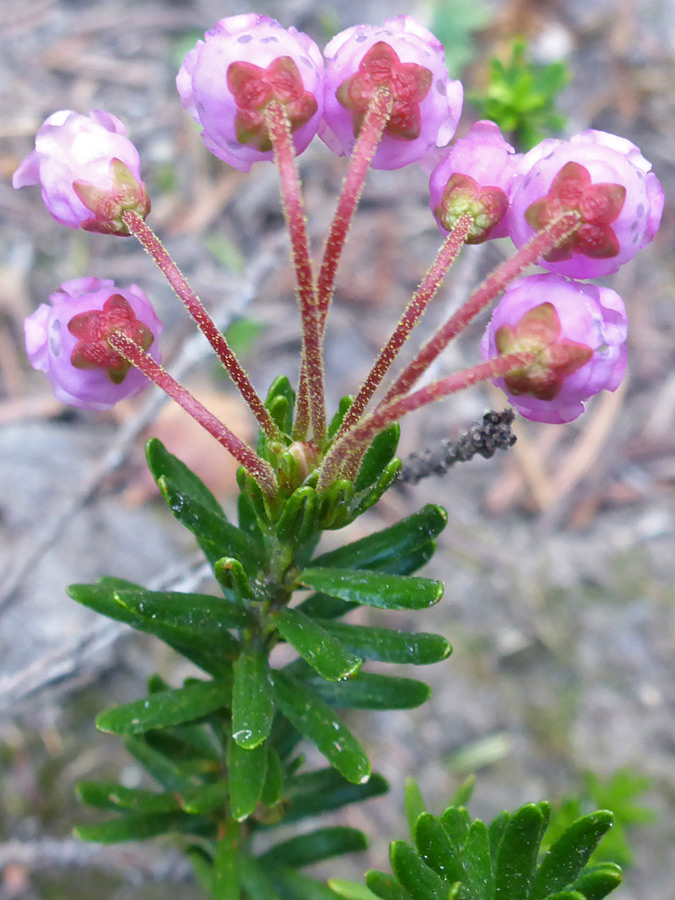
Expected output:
{"points": [[370, 135], [386, 414], [279, 130], [152, 244], [413, 313], [254, 465], [493, 285]]}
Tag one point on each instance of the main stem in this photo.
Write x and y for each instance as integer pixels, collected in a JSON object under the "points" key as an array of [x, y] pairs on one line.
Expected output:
{"points": [[254, 465], [152, 244], [413, 313], [493, 285], [284, 154]]}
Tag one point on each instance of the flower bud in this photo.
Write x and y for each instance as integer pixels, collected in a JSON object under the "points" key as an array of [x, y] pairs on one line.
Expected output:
{"points": [[90, 173], [243, 63], [67, 340], [578, 333], [475, 177], [405, 58], [607, 181]]}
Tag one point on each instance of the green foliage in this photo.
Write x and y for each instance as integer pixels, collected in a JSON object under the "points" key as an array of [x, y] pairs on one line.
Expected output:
{"points": [[520, 96], [454, 22]]}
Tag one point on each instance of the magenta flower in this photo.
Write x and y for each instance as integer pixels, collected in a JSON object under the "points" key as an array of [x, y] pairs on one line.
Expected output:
{"points": [[578, 332], [475, 177], [227, 80], [67, 340], [403, 56], [607, 181], [90, 173]]}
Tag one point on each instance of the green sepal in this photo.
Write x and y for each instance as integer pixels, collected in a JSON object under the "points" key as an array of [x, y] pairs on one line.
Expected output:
{"points": [[388, 645], [110, 795], [324, 843], [252, 702], [376, 589], [274, 778], [437, 849], [370, 690], [231, 576], [371, 495], [321, 606], [280, 402], [421, 882], [316, 721], [164, 464], [140, 826], [518, 850], [313, 793], [385, 886], [324, 652], [299, 517], [336, 505], [226, 865], [570, 853], [377, 457], [596, 882], [247, 778], [351, 890], [384, 547], [166, 708]]}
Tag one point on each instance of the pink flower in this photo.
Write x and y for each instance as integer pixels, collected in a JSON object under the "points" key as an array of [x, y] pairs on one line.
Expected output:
{"points": [[476, 177], [90, 173], [607, 181], [227, 80], [67, 340], [578, 332], [403, 56]]}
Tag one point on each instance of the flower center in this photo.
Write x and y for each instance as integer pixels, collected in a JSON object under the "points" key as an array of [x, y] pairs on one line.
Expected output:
{"points": [[539, 332], [408, 83], [254, 87], [92, 329], [463, 194], [598, 205]]}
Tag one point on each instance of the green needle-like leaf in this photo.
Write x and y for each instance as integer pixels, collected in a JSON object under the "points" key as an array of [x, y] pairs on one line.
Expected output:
{"points": [[252, 703], [413, 803], [137, 827], [375, 589], [312, 793], [351, 890], [164, 464], [517, 854], [478, 878], [385, 886], [421, 882], [109, 795], [247, 778], [255, 879], [317, 646], [388, 645], [192, 617], [596, 882], [369, 690], [437, 850], [316, 721], [324, 843], [378, 456], [274, 778]]}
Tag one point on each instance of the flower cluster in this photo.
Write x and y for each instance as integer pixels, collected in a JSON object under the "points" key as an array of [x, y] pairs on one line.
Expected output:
{"points": [[382, 96]]}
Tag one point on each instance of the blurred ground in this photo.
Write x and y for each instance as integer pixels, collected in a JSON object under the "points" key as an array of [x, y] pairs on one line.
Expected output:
{"points": [[558, 558]]}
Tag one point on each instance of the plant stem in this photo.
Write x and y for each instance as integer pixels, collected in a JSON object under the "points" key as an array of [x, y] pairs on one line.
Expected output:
{"points": [[279, 129], [413, 313], [370, 135], [254, 465], [386, 414], [152, 244], [493, 285]]}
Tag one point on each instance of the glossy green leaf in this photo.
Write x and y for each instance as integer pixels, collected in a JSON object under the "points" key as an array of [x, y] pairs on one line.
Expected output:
{"points": [[255, 880], [135, 827], [421, 882], [199, 618], [252, 703], [369, 690], [323, 651], [274, 778], [518, 850], [247, 778], [436, 848], [226, 868], [478, 877], [406, 565], [351, 890], [566, 895], [377, 457], [596, 882], [324, 843], [166, 772], [464, 792], [385, 886], [370, 496], [456, 821], [299, 518], [375, 589], [166, 708], [316, 721], [570, 853], [247, 519], [336, 505], [496, 830], [388, 645], [231, 576], [110, 795], [413, 803], [337, 420], [312, 793], [204, 798], [390, 544], [321, 606], [164, 464]]}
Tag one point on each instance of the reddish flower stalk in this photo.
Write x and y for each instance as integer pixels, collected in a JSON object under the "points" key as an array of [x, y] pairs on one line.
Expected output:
{"points": [[279, 129], [357, 439], [301, 423], [152, 244], [370, 135], [494, 284], [413, 313], [254, 465]]}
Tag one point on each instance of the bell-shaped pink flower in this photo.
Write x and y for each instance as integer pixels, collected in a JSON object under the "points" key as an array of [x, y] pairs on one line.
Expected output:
{"points": [[67, 340], [476, 177], [607, 181], [403, 56], [578, 333], [89, 171], [243, 63]]}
